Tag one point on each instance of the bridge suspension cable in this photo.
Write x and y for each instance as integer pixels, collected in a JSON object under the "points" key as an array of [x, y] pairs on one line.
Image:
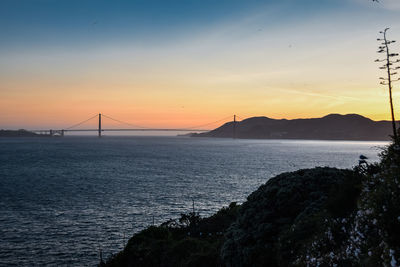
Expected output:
{"points": [[82, 122], [188, 128], [207, 124], [138, 127], [123, 122]]}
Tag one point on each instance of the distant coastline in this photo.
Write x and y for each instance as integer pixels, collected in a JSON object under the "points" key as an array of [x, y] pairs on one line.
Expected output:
{"points": [[331, 127], [17, 133], [352, 127]]}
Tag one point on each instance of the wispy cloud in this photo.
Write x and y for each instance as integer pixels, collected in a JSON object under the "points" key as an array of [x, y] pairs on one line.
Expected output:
{"points": [[322, 95]]}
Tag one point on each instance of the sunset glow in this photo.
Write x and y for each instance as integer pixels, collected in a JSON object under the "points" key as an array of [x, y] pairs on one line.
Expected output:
{"points": [[188, 63]]}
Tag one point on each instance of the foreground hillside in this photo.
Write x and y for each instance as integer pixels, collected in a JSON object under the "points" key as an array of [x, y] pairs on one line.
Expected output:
{"points": [[249, 234], [320, 216], [330, 127]]}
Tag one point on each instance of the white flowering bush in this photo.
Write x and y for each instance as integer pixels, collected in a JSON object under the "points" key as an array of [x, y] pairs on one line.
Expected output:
{"points": [[372, 231]]}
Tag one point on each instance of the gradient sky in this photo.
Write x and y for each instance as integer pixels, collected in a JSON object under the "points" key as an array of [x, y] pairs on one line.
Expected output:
{"points": [[181, 63]]}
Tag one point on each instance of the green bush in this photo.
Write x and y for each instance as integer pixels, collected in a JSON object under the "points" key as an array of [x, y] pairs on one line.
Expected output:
{"points": [[187, 241], [279, 219]]}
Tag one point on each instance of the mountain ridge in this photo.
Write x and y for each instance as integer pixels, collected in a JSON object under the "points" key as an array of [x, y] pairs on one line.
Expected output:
{"points": [[330, 127]]}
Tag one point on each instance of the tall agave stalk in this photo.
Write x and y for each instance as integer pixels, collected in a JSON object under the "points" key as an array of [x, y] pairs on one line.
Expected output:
{"points": [[390, 67]]}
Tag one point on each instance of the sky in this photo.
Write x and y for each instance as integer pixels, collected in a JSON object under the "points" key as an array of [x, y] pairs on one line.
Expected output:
{"points": [[184, 63]]}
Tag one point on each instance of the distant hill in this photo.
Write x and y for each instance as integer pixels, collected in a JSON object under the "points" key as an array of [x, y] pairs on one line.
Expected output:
{"points": [[18, 133], [330, 127]]}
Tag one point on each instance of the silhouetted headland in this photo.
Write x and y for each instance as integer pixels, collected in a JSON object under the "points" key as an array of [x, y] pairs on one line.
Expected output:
{"points": [[330, 127], [17, 133]]}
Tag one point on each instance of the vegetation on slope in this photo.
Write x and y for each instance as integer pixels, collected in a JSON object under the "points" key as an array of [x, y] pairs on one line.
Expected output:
{"points": [[371, 234], [189, 241], [257, 233], [279, 219]]}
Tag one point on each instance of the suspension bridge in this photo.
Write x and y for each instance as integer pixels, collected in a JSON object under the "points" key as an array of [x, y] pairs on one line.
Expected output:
{"points": [[132, 127]]}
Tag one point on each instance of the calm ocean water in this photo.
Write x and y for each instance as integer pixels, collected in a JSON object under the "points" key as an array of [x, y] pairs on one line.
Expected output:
{"points": [[63, 199]]}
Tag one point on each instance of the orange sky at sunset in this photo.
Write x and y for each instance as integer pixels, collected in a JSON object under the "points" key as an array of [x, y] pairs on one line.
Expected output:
{"points": [[305, 66]]}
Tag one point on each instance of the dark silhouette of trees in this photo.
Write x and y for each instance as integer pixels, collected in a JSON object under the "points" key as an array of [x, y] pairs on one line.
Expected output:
{"points": [[390, 67]]}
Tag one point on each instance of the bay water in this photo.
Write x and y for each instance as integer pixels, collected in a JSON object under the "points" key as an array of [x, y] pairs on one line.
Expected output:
{"points": [[62, 200]]}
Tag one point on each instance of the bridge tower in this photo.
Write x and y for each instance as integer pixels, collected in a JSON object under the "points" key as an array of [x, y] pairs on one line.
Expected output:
{"points": [[99, 124], [234, 126]]}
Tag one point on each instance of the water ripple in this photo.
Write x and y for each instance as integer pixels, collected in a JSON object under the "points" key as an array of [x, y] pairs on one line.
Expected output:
{"points": [[63, 199]]}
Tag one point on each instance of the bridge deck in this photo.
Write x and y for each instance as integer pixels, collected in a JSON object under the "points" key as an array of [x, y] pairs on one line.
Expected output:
{"points": [[128, 130]]}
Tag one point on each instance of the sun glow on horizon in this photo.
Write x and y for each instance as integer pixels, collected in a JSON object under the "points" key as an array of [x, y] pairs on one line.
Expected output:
{"points": [[277, 60]]}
